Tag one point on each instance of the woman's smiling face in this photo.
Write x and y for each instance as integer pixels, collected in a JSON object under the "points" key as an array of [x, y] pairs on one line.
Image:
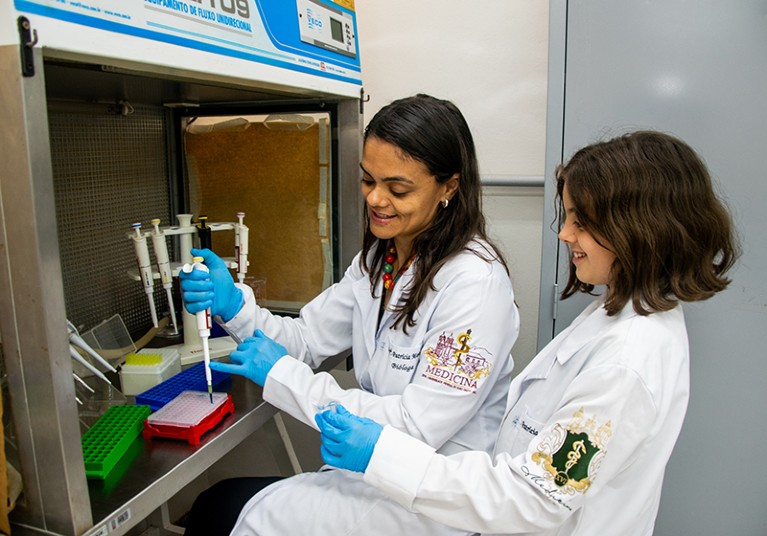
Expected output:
{"points": [[593, 262], [402, 196]]}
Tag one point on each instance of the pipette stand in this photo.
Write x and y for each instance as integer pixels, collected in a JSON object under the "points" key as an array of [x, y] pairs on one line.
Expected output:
{"points": [[190, 351]]}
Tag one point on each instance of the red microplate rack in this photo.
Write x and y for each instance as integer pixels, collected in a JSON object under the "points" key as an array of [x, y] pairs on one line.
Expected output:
{"points": [[188, 416]]}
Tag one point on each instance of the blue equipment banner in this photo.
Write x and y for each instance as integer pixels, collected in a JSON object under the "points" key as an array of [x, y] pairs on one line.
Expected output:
{"points": [[310, 36]]}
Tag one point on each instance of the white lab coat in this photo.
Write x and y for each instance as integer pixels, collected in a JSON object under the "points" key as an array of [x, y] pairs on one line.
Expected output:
{"points": [[620, 383], [443, 382]]}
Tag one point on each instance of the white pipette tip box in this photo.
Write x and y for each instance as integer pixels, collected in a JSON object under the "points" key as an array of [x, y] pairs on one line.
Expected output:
{"points": [[188, 416], [135, 379]]}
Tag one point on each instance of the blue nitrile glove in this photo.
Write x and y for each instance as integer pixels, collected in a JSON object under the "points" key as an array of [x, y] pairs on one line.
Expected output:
{"points": [[215, 289], [253, 358], [347, 440]]}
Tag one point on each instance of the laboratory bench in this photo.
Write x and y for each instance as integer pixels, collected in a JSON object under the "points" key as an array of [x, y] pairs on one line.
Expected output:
{"points": [[154, 470]]}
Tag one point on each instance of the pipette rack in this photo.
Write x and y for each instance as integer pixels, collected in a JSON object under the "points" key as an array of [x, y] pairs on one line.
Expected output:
{"points": [[110, 437], [191, 379], [190, 351]]}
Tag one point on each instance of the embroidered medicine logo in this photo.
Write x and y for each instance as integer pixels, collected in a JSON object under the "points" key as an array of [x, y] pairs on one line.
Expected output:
{"points": [[455, 363], [571, 455]]}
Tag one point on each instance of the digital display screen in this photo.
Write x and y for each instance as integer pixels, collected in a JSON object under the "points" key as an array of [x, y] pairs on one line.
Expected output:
{"points": [[336, 30]]}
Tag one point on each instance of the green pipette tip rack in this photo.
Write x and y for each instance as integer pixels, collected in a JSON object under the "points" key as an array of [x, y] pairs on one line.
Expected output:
{"points": [[110, 437]]}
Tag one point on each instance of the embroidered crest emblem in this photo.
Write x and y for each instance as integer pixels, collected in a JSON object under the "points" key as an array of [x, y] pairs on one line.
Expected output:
{"points": [[456, 363], [571, 455]]}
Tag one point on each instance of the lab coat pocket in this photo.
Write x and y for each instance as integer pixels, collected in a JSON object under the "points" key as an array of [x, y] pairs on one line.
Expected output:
{"points": [[400, 364], [530, 425], [525, 428]]}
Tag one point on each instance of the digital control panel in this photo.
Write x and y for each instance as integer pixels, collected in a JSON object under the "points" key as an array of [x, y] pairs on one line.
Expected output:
{"points": [[326, 27]]}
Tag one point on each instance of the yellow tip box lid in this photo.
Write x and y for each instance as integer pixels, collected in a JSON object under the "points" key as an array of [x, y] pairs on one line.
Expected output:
{"points": [[148, 367]]}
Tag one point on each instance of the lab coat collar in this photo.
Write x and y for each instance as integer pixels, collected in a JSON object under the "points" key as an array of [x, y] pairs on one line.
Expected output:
{"points": [[592, 322], [403, 284], [368, 306]]}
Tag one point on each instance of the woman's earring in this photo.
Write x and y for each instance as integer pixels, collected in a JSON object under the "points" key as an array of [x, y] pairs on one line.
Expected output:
{"points": [[444, 203]]}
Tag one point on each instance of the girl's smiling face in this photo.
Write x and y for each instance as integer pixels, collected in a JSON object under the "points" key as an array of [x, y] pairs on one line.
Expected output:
{"points": [[401, 194], [593, 262]]}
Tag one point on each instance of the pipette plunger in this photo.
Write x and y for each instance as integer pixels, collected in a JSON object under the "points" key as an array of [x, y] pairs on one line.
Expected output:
{"points": [[203, 325], [203, 233]]}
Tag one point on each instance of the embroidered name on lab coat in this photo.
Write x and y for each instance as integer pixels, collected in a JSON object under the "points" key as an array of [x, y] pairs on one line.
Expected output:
{"points": [[403, 361], [455, 363]]}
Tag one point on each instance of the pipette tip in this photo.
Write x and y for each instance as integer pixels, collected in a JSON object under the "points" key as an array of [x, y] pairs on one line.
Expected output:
{"points": [[210, 392]]}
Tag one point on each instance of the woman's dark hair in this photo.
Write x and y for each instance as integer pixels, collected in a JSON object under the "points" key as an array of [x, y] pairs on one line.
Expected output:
{"points": [[647, 197], [435, 133]]}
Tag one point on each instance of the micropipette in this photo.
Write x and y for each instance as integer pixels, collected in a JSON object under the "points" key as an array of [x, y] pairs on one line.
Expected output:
{"points": [[145, 268], [203, 325], [163, 265], [237, 244], [241, 248], [75, 339], [80, 359], [82, 382]]}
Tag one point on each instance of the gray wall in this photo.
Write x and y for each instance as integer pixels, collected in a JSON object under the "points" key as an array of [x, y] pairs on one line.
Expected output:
{"points": [[697, 70]]}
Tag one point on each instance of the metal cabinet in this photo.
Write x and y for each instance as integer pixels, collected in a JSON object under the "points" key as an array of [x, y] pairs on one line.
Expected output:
{"points": [[39, 388], [693, 70]]}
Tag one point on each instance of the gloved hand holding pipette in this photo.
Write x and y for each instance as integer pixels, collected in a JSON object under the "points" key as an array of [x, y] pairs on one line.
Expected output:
{"points": [[253, 358], [214, 289], [347, 440], [203, 323]]}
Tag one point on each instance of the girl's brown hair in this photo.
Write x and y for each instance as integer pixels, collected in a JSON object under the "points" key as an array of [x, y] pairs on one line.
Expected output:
{"points": [[647, 197]]}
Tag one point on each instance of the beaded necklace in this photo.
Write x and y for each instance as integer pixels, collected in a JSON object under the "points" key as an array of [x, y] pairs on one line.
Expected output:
{"points": [[390, 280]]}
